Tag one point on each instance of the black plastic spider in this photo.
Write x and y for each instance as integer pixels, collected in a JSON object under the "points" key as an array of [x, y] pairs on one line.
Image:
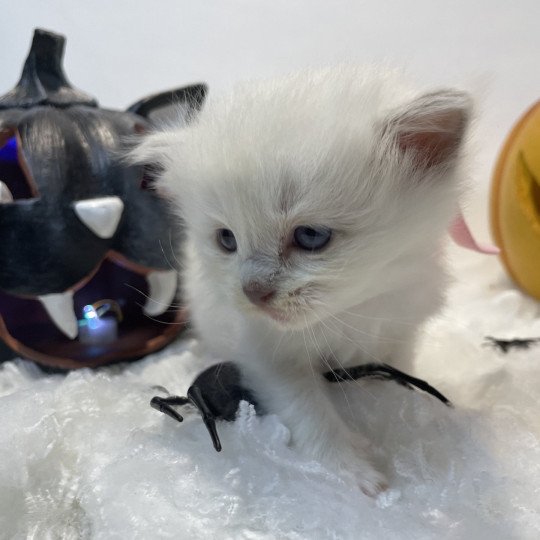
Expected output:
{"points": [[217, 392], [505, 345]]}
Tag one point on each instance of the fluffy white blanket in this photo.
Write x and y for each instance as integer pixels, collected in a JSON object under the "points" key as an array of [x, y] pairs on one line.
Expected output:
{"points": [[84, 456]]}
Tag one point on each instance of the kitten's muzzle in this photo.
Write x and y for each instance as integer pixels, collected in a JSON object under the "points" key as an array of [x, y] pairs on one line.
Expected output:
{"points": [[259, 293]]}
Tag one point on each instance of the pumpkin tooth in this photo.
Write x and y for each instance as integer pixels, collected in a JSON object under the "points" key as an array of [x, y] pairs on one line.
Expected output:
{"points": [[5, 193], [162, 285], [101, 215], [59, 307]]}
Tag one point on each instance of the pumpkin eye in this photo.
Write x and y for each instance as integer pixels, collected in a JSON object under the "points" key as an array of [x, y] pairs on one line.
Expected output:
{"points": [[15, 183], [226, 240], [311, 238]]}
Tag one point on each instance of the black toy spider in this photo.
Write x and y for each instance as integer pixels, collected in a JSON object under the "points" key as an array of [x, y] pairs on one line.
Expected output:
{"points": [[505, 345], [217, 392]]}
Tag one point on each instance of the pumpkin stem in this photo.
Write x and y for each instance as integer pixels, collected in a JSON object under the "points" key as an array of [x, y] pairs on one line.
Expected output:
{"points": [[43, 81]]}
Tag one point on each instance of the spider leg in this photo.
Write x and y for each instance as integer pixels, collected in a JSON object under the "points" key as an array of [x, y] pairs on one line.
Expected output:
{"points": [[364, 371], [160, 388], [405, 379], [504, 345], [384, 372], [195, 396], [164, 405]]}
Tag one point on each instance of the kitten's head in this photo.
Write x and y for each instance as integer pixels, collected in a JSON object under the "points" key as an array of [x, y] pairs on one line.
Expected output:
{"points": [[306, 196]]}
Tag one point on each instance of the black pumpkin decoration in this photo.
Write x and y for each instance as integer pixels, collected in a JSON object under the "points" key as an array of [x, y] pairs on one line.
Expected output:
{"points": [[83, 233]]}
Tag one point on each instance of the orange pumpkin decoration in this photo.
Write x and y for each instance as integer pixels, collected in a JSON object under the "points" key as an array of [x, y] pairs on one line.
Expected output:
{"points": [[515, 202]]}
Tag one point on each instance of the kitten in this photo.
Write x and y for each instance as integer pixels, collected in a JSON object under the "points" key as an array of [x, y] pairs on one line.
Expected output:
{"points": [[316, 207]]}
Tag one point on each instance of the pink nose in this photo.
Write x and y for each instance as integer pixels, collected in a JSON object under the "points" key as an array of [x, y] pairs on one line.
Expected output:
{"points": [[258, 294]]}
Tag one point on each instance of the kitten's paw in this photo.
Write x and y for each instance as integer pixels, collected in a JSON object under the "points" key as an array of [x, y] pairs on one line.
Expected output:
{"points": [[354, 462], [371, 481]]}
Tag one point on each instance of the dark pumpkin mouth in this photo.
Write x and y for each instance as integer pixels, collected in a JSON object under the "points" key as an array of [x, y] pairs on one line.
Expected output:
{"points": [[28, 327]]}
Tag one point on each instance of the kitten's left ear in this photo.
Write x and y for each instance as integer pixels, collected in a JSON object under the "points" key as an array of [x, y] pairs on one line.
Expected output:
{"points": [[430, 129]]}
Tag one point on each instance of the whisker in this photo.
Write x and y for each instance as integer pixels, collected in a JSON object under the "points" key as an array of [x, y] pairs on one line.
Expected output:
{"points": [[180, 264], [173, 305], [382, 319], [362, 332], [307, 351], [157, 320], [277, 346], [172, 267], [338, 361], [325, 360], [314, 341], [362, 349]]}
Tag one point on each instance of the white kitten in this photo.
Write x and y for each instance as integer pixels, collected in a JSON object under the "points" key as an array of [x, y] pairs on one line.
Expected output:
{"points": [[315, 208]]}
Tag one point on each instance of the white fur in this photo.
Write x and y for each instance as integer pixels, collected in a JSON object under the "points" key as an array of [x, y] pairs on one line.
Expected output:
{"points": [[338, 148]]}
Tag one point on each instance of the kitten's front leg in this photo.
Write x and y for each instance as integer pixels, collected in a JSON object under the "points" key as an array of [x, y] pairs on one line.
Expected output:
{"points": [[299, 397]]}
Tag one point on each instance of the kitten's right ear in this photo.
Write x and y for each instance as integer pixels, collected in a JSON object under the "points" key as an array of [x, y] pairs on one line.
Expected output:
{"points": [[431, 128], [153, 149]]}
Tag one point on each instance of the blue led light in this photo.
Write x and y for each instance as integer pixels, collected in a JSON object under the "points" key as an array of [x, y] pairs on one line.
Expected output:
{"points": [[94, 319], [91, 317], [89, 312], [95, 329], [8, 152]]}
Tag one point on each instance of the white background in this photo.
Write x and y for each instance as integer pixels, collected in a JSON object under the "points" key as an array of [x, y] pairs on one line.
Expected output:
{"points": [[122, 50]]}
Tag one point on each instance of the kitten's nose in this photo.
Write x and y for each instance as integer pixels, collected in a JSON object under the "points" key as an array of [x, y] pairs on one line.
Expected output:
{"points": [[258, 293]]}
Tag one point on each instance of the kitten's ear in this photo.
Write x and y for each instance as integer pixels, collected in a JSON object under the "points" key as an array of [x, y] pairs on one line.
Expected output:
{"points": [[430, 129], [153, 149]]}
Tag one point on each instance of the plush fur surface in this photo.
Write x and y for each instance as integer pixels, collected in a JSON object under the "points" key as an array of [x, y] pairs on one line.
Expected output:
{"points": [[84, 456], [354, 151]]}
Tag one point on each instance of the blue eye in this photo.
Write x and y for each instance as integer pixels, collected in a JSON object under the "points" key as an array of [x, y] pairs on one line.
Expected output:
{"points": [[311, 238], [226, 240]]}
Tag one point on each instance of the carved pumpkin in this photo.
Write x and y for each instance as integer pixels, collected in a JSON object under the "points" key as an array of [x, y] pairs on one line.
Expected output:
{"points": [[86, 258], [515, 202]]}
